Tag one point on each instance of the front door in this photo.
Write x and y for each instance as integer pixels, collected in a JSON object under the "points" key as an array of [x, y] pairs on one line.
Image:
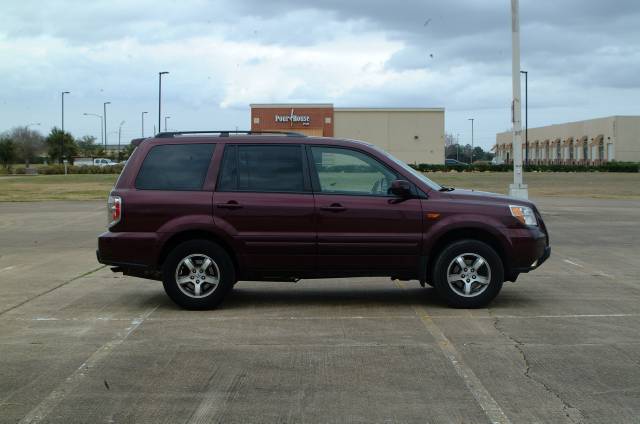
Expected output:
{"points": [[361, 227], [264, 200]]}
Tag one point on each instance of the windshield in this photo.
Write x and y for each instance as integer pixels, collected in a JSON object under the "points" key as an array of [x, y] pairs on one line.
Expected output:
{"points": [[433, 185]]}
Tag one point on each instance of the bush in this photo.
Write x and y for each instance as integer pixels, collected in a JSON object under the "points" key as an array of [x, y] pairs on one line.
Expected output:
{"points": [[71, 169]]}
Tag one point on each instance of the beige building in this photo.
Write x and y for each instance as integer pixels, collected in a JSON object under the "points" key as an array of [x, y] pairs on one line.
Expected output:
{"points": [[584, 142], [414, 135]]}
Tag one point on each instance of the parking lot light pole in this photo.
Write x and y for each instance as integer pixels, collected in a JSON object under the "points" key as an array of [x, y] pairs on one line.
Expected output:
{"points": [[471, 119], [104, 105], [165, 123], [143, 113], [62, 139], [526, 117], [160, 74], [119, 137], [518, 188], [101, 125]]}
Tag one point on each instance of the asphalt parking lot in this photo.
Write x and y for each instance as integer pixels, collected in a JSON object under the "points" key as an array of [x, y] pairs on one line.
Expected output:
{"points": [[81, 344]]}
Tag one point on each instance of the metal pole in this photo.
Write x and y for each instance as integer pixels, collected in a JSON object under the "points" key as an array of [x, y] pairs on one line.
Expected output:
{"points": [[471, 119], [104, 106], [62, 139], [526, 116], [160, 74], [165, 123], [119, 136], [517, 189], [143, 113]]}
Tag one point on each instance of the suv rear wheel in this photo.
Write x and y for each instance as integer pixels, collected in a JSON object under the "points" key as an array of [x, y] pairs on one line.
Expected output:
{"points": [[468, 274], [197, 274]]}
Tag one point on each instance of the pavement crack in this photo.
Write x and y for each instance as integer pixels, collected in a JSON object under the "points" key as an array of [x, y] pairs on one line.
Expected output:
{"points": [[64, 283], [572, 413]]}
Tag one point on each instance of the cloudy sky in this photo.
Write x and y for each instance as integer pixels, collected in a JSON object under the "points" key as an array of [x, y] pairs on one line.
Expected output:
{"points": [[583, 58]]}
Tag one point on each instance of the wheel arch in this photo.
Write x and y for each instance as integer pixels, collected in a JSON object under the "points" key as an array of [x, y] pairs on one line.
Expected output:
{"points": [[469, 233], [193, 234]]}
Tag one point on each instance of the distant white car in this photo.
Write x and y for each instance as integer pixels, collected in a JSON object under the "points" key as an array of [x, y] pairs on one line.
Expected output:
{"points": [[497, 161], [94, 162]]}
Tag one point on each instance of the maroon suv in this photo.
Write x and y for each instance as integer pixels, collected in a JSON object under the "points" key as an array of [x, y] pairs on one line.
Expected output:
{"points": [[201, 211]]}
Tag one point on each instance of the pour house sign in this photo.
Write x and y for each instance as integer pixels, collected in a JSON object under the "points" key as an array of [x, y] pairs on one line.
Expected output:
{"points": [[292, 118]]}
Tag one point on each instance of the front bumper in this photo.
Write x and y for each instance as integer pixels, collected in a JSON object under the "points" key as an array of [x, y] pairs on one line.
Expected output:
{"points": [[545, 255]]}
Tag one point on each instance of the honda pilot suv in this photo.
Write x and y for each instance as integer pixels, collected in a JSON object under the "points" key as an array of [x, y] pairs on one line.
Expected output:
{"points": [[201, 211]]}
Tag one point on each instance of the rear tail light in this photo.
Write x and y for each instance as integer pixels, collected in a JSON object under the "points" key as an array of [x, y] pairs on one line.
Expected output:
{"points": [[114, 209]]}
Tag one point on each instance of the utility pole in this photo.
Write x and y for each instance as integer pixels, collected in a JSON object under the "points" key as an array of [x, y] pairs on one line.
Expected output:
{"points": [[104, 106], [471, 119], [458, 147], [119, 136], [518, 188], [160, 74], [62, 139], [165, 123], [143, 113], [526, 117]]}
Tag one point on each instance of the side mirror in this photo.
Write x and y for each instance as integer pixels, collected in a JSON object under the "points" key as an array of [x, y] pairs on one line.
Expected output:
{"points": [[400, 188]]}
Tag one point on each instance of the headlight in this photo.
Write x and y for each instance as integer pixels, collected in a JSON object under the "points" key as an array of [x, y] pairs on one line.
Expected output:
{"points": [[523, 214]]}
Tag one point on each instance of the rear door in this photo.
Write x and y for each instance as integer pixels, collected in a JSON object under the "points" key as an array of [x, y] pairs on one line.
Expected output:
{"points": [[263, 199], [361, 227]]}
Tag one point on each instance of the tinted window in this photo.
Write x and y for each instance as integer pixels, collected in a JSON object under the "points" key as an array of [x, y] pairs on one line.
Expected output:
{"points": [[175, 167], [345, 171], [262, 169]]}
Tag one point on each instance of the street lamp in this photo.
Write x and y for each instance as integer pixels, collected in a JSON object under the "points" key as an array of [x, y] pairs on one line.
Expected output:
{"points": [[471, 119], [143, 113], [62, 138], [160, 74], [526, 117], [101, 125], [165, 123], [119, 136], [104, 106]]}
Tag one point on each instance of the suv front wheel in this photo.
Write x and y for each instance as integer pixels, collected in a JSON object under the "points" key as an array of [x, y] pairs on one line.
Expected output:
{"points": [[468, 274], [197, 274]]}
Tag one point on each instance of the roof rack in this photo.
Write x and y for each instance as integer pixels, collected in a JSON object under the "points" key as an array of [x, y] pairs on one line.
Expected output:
{"points": [[226, 133]]}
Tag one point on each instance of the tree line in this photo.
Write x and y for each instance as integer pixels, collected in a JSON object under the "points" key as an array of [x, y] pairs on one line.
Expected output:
{"points": [[23, 145], [454, 150]]}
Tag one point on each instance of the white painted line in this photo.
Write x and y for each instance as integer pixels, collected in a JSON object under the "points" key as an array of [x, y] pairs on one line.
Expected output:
{"points": [[482, 396], [48, 404], [573, 263], [7, 268]]}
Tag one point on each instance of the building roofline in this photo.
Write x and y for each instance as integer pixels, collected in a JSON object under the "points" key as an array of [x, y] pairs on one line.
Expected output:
{"points": [[576, 122], [389, 109], [284, 105]]}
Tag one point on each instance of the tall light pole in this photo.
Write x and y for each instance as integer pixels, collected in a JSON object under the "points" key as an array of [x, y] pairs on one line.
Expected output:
{"points": [[119, 136], [101, 125], [165, 123], [160, 74], [104, 106], [471, 119], [62, 138], [143, 113], [518, 188], [526, 117]]}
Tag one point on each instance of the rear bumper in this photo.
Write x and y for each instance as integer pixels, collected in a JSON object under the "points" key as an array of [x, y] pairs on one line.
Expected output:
{"points": [[128, 250]]}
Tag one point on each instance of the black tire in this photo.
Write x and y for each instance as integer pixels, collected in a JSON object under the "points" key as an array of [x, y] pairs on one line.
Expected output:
{"points": [[485, 293], [222, 266]]}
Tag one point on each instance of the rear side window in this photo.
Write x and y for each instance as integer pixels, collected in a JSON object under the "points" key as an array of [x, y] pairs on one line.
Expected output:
{"points": [[264, 168], [175, 167]]}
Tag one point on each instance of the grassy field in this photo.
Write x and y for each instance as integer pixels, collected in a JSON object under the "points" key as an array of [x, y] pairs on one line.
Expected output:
{"points": [[594, 185], [55, 187]]}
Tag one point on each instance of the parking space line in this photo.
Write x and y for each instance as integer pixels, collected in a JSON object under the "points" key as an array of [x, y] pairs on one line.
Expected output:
{"points": [[482, 396], [48, 404]]}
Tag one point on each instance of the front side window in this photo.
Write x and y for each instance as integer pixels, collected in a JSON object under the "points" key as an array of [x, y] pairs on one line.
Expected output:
{"points": [[345, 171], [179, 167], [262, 168]]}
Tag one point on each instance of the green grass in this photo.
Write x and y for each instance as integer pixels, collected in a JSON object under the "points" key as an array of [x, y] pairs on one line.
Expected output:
{"points": [[55, 187], [603, 185]]}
